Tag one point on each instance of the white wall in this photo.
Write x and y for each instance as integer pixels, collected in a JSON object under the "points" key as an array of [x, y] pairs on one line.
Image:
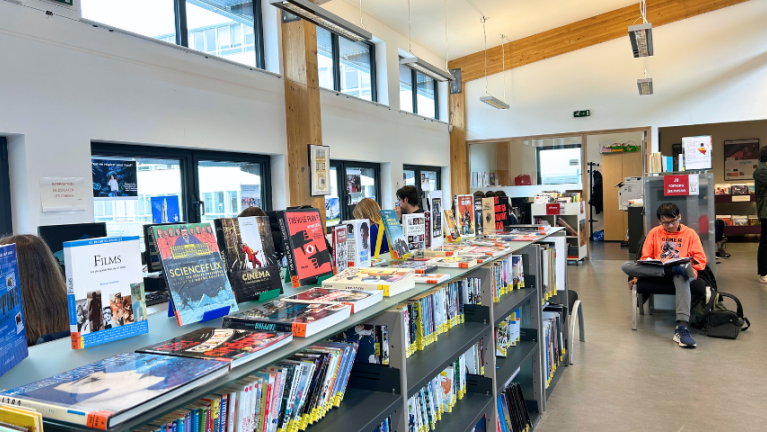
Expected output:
{"points": [[709, 68], [65, 84]]}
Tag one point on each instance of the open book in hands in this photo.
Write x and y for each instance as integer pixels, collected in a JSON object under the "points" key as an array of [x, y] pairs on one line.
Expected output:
{"points": [[668, 262]]}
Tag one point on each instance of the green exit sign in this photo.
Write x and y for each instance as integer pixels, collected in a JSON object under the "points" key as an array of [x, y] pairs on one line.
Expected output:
{"points": [[584, 113]]}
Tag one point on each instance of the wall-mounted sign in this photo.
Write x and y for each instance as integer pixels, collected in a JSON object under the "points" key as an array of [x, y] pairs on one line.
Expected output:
{"points": [[62, 194], [584, 113], [681, 185]]}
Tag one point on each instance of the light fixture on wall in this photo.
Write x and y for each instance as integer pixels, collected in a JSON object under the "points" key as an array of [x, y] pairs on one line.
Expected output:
{"points": [[641, 34], [319, 16], [419, 64], [488, 99]]}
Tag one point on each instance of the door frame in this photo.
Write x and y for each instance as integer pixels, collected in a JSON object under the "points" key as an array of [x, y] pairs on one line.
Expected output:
{"points": [[343, 196]]}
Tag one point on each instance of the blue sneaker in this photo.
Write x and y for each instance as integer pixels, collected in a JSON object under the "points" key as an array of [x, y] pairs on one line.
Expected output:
{"points": [[684, 270], [683, 338]]}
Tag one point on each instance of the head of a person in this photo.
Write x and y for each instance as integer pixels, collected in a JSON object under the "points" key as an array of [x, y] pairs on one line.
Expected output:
{"points": [[43, 290], [669, 216], [367, 208], [178, 232], [408, 199], [479, 194], [490, 194], [252, 211], [763, 154], [107, 314], [184, 231], [500, 193]]}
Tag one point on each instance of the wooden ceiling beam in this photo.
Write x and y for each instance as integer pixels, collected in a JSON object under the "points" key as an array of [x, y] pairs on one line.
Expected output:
{"points": [[581, 34]]}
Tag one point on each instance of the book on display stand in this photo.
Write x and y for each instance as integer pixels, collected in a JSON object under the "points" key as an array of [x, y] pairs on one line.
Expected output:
{"points": [[12, 329], [303, 238]]}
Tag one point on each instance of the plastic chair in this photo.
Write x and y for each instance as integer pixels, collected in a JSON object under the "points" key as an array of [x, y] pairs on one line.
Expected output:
{"points": [[576, 316]]}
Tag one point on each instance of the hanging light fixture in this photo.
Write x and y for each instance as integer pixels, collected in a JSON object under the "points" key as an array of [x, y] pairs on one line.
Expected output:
{"points": [[420, 64], [645, 84], [319, 16], [641, 34], [488, 99]]}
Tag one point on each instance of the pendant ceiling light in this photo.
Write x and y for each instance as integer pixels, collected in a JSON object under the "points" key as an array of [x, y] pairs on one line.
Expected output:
{"points": [[419, 64], [488, 99], [319, 16], [641, 34]]}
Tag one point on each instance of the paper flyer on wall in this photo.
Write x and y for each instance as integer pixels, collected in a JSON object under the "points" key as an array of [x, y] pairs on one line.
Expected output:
{"points": [[697, 152], [114, 179], [62, 194]]}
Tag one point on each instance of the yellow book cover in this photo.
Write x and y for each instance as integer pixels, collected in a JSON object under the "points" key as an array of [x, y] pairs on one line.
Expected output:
{"points": [[29, 420]]}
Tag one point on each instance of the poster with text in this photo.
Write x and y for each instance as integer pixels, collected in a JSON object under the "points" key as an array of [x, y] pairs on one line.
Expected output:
{"points": [[165, 209], [697, 153], [740, 159], [114, 179], [250, 196]]}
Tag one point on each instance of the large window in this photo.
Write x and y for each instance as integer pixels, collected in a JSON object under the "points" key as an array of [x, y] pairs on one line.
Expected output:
{"points": [[6, 226], [424, 100], [559, 165], [229, 29], [346, 66], [209, 185]]}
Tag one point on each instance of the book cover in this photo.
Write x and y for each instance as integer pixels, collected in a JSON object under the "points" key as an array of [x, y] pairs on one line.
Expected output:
{"points": [[358, 242], [420, 267], [727, 219], [488, 216], [464, 215], [226, 345], [431, 278], [414, 226], [340, 252], [103, 394], [502, 213], [12, 330], [289, 317], [740, 189], [452, 234], [477, 215], [248, 256], [194, 271], [389, 280], [740, 221], [307, 252], [368, 340], [103, 278], [437, 218], [722, 189], [398, 248], [427, 227], [453, 261], [357, 299]]}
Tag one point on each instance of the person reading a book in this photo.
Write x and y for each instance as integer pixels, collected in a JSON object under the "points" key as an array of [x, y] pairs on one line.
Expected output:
{"points": [[665, 249], [409, 200], [369, 209]]}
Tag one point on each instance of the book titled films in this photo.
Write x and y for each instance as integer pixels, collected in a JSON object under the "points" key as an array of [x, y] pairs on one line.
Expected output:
{"points": [[454, 262], [356, 299], [227, 345], [302, 319], [391, 281]]}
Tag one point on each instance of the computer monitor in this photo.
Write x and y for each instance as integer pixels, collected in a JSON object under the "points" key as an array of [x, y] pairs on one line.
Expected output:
{"points": [[152, 256], [55, 235]]}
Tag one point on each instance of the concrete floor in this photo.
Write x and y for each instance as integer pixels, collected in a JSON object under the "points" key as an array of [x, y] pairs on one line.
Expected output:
{"points": [[625, 380], [609, 251]]}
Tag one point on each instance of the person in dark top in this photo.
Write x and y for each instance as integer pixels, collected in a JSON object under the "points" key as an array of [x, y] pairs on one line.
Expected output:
{"points": [[760, 182], [409, 200]]}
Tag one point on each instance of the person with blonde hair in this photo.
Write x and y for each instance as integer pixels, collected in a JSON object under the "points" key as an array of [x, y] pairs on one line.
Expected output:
{"points": [[369, 209]]}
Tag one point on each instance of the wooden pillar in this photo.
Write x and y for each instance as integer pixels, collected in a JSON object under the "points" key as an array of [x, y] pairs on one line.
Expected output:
{"points": [[302, 107], [502, 163], [459, 150]]}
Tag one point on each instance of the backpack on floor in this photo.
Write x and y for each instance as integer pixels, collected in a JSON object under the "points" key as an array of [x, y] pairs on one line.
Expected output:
{"points": [[716, 319]]}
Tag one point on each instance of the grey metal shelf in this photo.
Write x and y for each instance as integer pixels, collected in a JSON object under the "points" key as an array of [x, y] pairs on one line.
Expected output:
{"points": [[425, 365], [517, 356], [467, 413], [361, 411], [510, 302], [557, 374]]}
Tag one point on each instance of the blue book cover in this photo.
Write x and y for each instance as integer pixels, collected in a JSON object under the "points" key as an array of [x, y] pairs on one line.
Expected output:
{"points": [[110, 391], [12, 331], [397, 244], [165, 209]]}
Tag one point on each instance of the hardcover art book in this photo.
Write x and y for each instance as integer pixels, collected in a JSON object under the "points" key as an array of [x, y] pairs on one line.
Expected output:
{"points": [[340, 252], [398, 248], [194, 271], [104, 394], [358, 242], [414, 226], [464, 215], [12, 330], [103, 279], [302, 319], [356, 299], [391, 281], [303, 234], [225, 345], [248, 254]]}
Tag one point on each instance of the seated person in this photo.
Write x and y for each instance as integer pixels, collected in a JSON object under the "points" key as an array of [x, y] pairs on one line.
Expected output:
{"points": [[43, 291], [409, 200], [670, 240], [369, 209]]}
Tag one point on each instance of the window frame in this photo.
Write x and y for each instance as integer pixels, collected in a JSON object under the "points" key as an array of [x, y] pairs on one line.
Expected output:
{"points": [[556, 147], [414, 93], [6, 216], [343, 197], [417, 169], [335, 55]]}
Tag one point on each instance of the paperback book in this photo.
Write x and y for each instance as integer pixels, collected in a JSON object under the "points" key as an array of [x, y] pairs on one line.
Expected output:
{"points": [[478, 215], [454, 262], [248, 254], [105, 394], [464, 216], [435, 205], [12, 330], [414, 226], [488, 216], [452, 234], [398, 247], [391, 281], [420, 267], [303, 234], [358, 242], [431, 278], [356, 299], [194, 271], [340, 253], [227, 345], [302, 319], [103, 279]]}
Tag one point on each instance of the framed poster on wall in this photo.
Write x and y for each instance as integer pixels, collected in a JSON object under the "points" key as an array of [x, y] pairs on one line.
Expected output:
{"points": [[740, 159], [319, 165]]}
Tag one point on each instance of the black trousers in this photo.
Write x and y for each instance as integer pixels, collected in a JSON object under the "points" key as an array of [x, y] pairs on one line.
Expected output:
{"points": [[762, 252]]}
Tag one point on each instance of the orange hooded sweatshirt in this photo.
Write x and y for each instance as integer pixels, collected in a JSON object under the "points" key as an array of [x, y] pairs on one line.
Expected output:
{"points": [[661, 244]]}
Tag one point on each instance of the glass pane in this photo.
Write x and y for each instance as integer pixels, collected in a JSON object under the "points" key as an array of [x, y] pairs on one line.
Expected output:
{"points": [[409, 177], [325, 58], [153, 18], [428, 180], [355, 68], [405, 88], [223, 27], [332, 203], [560, 166], [156, 178], [360, 183], [240, 180], [425, 102]]}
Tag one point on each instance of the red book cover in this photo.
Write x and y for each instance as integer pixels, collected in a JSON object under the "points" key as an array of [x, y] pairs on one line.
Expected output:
{"points": [[306, 238]]}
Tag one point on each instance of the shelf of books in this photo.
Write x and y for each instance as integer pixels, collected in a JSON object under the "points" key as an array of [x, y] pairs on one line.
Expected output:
{"points": [[420, 355], [571, 217]]}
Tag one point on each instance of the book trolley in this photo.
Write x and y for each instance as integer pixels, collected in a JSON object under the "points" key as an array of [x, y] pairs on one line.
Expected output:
{"points": [[374, 392]]}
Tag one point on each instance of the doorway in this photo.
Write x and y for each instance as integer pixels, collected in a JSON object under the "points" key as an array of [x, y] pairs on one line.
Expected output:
{"points": [[350, 182]]}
